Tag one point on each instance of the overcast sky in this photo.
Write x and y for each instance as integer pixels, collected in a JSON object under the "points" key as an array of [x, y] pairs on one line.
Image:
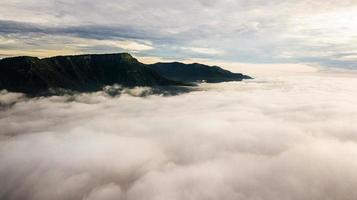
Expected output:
{"points": [[322, 32]]}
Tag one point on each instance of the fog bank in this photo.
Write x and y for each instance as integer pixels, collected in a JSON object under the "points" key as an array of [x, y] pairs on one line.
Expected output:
{"points": [[274, 137]]}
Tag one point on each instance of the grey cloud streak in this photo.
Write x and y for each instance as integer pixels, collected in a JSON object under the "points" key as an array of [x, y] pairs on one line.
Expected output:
{"points": [[89, 31], [285, 137]]}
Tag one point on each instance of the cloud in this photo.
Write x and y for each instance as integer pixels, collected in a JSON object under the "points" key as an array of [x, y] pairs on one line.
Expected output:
{"points": [[347, 57], [7, 98], [202, 50], [275, 137], [107, 192], [251, 32], [45, 45]]}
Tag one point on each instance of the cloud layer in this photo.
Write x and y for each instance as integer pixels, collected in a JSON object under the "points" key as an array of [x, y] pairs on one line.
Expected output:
{"points": [[293, 31], [286, 137]]}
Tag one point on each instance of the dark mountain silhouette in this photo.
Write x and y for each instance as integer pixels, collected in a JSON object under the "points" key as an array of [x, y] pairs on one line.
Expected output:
{"points": [[78, 73], [196, 72], [85, 73]]}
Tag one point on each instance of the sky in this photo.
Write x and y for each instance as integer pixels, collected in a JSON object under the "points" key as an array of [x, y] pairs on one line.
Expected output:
{"points": [[319, 32]]}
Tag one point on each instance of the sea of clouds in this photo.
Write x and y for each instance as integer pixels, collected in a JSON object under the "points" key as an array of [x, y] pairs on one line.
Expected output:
{"points": [[273, 138]]}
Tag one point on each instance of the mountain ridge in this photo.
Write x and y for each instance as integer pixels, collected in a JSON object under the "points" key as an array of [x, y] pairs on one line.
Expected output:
{"points": [[196, 72], [92, 72]]}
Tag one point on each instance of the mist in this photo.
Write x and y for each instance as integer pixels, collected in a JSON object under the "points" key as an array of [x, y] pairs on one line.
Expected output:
{"points": [[287, 136]]}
